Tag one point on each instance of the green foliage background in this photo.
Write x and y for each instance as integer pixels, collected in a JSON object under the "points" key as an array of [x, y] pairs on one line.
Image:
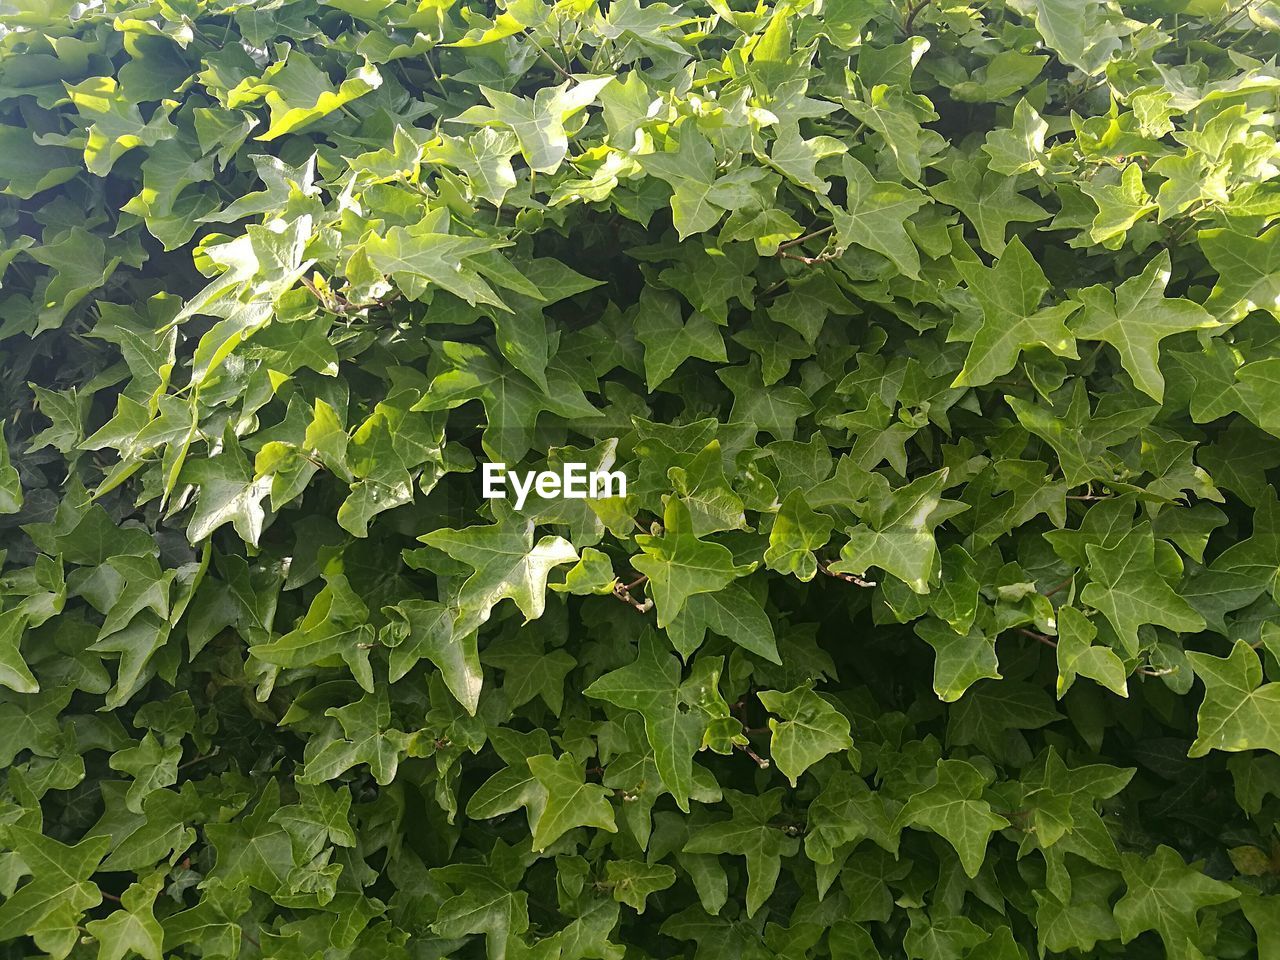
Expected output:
{"points": [[939, 345]]}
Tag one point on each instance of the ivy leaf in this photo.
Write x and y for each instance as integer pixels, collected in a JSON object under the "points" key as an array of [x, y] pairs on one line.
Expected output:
{"points": [[414, 260], [669, 341], [1136, 317], [14, 672], [336, 629], [634, 882], [1077, 656], [299, 93], [1128, 590], [797, 532], [507, 564], [569, 801], [48, 907], [810, 729], [898, 537], [701, 196], [1009, 294], [952, 806], [539, 124], [1019, 149], [990, 201], [1247, 272], [750, 833], [1164, 895], [529, 670], [229, 493], [875, 216], [420, 629], [1082, 437], [485, 904], [733, 613], [512, 402], [1069, 30], [133, 928], [680, 566], [1239, 711], [651, 686], [960, 659], [1120, 206], [368, 738], [10, 484], [115, 122]]}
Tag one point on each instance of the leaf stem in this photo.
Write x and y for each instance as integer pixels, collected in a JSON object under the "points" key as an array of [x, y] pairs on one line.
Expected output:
{"points": [[1047, 641], [550, 59], [1061, 586], [808, 236]]}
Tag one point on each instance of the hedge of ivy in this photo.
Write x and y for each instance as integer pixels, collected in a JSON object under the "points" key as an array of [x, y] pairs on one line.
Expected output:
{"points": [[937, 342]]}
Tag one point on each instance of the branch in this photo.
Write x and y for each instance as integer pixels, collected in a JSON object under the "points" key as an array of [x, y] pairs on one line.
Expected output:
{"points": [[1062, 586], [846, 577], [761, 762], [808, 236], [807, 261], [622, 591], [1047, 641], [912, 13]]}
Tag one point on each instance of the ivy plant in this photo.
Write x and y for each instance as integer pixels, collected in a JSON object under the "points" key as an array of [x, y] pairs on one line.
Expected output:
{"points": [[937, 343]]}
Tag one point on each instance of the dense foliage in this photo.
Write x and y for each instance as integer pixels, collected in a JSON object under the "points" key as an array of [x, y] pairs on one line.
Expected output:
{"points": [[938, 342]]}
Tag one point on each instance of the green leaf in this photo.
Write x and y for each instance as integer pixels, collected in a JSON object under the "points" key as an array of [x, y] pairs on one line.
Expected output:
{"points": [[569, 801], [733, 613], [336, 629], [700, 195], [1068, 29], [1120, 205], [634, 881], [415, 260], [50, 904], [875, 215], [1128, 590], [990, 201], [750, 834], [651, 686], [299, 93], [1078, 657], [1020, 149], [680, 566], [14, 672], [810, 729], [669, 340], [1012, 321], [1247, 272], [10, 484], [952, 806], [419, 629], [507, 564], [960, 659], [133, 928], [898, 537], [797, 532], [1136, 317], [1239, 711], [538, 124], [1164, 894]]}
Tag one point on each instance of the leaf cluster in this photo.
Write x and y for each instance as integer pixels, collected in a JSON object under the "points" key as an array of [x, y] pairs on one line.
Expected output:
{"points": [[938, 342]]}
